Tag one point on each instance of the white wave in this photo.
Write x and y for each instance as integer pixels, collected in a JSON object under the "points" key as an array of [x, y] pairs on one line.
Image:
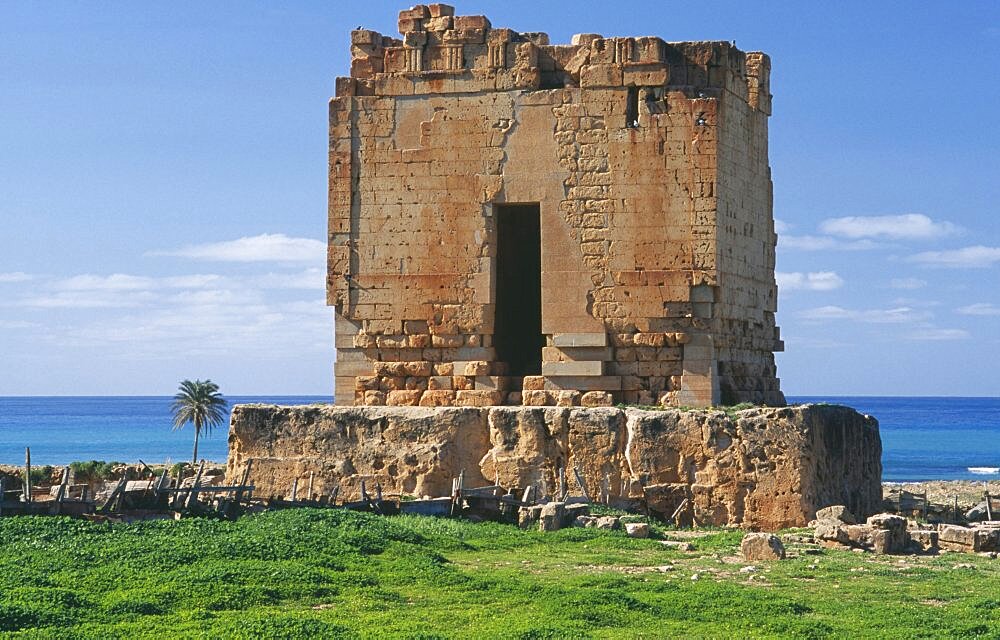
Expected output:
{"points": [[984, 470]]}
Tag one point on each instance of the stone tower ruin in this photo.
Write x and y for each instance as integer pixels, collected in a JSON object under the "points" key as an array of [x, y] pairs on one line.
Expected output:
{"points": [[514, 222]]}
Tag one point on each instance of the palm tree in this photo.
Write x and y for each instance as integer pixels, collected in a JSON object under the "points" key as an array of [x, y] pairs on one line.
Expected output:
{"points": [[201, 404]]}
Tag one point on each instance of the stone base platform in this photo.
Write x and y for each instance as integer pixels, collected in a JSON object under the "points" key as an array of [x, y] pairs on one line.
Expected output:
{"points": [[761, 468]]}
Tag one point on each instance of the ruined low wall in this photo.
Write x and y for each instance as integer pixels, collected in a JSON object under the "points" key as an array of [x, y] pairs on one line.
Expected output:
{"points": [[764, 468]]}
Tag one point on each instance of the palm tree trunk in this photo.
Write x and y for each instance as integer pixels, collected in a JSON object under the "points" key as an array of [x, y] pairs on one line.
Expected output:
{"points": [[194, 456]]}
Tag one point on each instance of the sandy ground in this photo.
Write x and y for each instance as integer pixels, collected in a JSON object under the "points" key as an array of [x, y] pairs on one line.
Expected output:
{"points": [[969, 492]]}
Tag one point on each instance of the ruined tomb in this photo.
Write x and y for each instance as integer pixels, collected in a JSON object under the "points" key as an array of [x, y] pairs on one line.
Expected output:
{"points": [[515, 222]]}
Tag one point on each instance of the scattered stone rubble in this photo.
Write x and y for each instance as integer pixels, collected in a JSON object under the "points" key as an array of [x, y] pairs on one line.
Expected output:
{"points": [[836, 528], [553, 516]]}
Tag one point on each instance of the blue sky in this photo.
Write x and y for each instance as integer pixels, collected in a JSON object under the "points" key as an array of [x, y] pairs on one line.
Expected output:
{"points": [[157, 162]]}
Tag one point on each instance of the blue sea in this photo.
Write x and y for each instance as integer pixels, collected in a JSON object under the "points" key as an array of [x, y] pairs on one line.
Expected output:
{"points": [[922, 438], [123, 428]]}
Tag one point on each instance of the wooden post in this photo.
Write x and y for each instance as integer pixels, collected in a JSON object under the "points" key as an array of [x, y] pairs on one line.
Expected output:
{"points": [[295, 489], [147, 468], [333, 496], [560, 482], [311, 475], [244, 482], [529, 494], [193, 496], [925, 505], [579, 480], [955, 516], [62, 489], [989, 508], [456, 492], [162, 483], [677, 512], [119, 488], [27, 474]]}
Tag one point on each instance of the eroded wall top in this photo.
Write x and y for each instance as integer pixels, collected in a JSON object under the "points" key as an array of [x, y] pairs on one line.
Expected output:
{"points": [[440, 52]]}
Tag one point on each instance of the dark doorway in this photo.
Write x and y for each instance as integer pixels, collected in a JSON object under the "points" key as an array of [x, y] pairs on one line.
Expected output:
{"points": [[518, 328]]}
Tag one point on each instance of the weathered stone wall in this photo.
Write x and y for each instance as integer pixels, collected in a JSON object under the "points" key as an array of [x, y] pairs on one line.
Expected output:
{"points": [[648, 161], [759, 468]]}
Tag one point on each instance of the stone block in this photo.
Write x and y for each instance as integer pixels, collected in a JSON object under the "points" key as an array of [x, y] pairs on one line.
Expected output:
{"points": [[831, 530], [409, 25], [437, 398], [580, 339], [404, 398], [528, 516], [567, 398], [837, 512], [958, 538], [601, 75], [924, 540], [471, 22], [535, 398], [583, 383], [761, 547], [438, 10], [474, 398], [573, 354], [577, 368], [441, 23], [637, 530], [573, 511], [552, 516], [533, 383], [596, 399]]}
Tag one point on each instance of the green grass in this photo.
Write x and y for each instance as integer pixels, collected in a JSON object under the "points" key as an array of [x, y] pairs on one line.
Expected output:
{"points": [[330, 573]]}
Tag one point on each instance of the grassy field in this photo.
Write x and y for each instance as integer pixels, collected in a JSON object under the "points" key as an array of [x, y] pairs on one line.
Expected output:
{"points": [[311, 573]]}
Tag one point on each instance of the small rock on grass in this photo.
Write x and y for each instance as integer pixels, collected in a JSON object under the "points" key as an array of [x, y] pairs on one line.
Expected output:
{"points": [[757, 547], [637, 529], [679, 545]]}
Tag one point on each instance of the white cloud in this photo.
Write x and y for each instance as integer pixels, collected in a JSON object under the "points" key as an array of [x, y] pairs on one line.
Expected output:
{"points": [[814, 281], [908, 284], [910, 226], [813, 343], [897, 315], [780, 226], [196, 281], [313, 278], [267, 247], [169, 317], [17, 324], [936, 335], [823, 243], [975, 257], [980, 309], [114, 282], [88, 299], [15, 276]]}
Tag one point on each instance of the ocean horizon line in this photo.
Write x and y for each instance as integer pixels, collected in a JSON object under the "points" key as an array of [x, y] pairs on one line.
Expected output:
{"points": [[330, 395]]}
